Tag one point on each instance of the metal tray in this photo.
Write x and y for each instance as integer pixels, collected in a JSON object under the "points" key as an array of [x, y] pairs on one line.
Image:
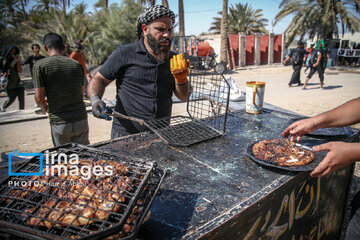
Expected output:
{"points": [[319, 156]]}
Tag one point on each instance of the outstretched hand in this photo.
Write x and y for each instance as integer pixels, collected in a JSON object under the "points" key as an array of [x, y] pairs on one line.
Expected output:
{"points": [[340, 154]]}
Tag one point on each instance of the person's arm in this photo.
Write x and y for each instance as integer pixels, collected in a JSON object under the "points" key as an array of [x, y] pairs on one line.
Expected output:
{"points": [[181, 92], [27, 61], [73, 55], [318, 60], [40, 98], [18, 65], [344, 115], [95, 91], [285, 61], [97, 85]]}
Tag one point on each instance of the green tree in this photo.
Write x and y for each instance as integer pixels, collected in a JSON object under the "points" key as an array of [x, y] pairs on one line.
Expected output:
{"points": [[112, 28], [102, 4], [64, 3], [10, 13], [23, 4], [43, 5], [144, 2], [242, 18], [325, 18]]}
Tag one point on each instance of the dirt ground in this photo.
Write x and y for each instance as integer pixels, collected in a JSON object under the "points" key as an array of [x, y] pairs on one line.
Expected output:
{"points": [[341, 85]]}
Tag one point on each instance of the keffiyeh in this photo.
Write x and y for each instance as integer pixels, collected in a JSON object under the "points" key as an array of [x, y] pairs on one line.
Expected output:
{"points": [[152, 13]]}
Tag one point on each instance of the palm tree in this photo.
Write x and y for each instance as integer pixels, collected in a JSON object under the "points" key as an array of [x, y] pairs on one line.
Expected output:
{"points": [[181, 26], [10, 12], [165, 3], [224, 33], [102, 4], [319, 18], [43, 5], [144, 2], [242, 18], [64, 4], [23, 5]]}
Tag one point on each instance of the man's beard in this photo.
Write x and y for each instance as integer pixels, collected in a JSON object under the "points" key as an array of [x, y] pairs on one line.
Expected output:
{"points": [[162, 51]]}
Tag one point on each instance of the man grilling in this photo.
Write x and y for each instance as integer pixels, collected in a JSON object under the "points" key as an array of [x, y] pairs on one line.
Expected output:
{"points": [[145, 78]]}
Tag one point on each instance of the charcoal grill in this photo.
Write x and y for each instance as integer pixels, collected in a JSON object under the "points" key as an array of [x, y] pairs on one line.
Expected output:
{"points": [[15, 217], [209, 99]]}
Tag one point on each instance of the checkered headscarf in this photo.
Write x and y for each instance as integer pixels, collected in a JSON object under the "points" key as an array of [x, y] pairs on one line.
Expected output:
{"points": [[152, 13]]}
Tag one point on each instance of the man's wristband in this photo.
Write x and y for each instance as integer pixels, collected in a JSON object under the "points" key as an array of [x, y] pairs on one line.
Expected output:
{"points": [[181, 84]]}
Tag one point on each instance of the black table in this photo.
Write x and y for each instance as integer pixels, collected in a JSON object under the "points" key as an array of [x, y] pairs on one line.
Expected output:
{"points": [[214, 191]]}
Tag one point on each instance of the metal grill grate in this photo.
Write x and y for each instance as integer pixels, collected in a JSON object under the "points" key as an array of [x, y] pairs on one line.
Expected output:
{"points": [[208, 101], [36, 211], [182, 131]]}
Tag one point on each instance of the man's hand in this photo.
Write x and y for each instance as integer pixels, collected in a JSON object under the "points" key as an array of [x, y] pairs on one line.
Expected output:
{"points": [[99, 108], [179, 68], [340, 154], [299, 128]]}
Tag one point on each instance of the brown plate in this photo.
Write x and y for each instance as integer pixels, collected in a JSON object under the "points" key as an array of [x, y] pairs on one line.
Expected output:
{"points": [[319, 156]]}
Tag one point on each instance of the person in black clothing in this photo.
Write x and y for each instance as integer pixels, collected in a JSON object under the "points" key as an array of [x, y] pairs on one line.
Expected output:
{"points": [[11, 68], [297, 57], [145, 72], [32, 59]]}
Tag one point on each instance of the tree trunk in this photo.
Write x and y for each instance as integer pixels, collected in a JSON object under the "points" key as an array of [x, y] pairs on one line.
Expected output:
{"points": [[23, 9], [64, 7], [224, 33], [165, 3], [106, 4], [181, 26]]}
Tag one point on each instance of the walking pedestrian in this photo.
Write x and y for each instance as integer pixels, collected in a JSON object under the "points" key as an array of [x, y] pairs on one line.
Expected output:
{"points": [[32, 59], [297, 59], [317, 61], [11, 68]]}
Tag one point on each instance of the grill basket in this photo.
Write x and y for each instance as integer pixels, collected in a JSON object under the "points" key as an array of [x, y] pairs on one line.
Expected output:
{"points": [[136, 194], [207, 108]]}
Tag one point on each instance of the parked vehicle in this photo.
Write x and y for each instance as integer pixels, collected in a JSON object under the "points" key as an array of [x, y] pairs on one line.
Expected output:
{"points": [[201, 55]]}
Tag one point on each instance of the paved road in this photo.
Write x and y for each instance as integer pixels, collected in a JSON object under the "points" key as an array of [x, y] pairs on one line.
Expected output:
{"points": [[340, 87]]}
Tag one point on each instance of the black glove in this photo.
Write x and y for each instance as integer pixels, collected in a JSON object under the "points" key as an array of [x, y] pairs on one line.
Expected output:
{"points": [[99, 108]]}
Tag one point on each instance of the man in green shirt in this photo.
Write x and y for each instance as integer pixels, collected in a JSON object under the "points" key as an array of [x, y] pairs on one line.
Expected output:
{"points": [[60, 79]]}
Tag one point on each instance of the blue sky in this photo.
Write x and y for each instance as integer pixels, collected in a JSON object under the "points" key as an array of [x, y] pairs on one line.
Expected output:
{"points": [[199, 13]]}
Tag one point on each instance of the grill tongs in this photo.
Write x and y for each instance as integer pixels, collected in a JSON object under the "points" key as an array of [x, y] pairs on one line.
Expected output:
{"points": [[109, 112], [178, 131]]}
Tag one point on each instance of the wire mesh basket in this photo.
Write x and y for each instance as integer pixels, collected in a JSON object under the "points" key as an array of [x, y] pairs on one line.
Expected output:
{"points": [[207, 108]]}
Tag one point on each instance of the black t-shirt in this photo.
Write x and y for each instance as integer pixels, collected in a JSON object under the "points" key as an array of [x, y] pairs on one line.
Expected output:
{"points": [[144, 85], [32, 60]]}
